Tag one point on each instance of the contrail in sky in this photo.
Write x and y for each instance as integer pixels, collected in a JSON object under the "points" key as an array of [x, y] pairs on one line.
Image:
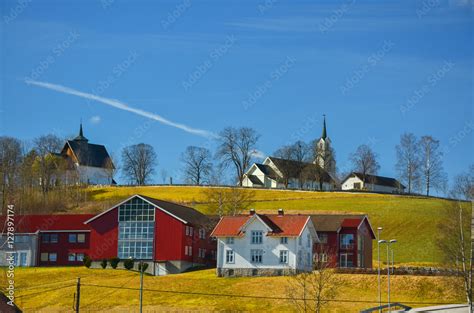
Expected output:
{"points": [[122, 106]]}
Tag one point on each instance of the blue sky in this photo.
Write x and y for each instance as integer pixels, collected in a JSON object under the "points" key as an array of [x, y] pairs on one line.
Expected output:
{"points": [[376, 69]]}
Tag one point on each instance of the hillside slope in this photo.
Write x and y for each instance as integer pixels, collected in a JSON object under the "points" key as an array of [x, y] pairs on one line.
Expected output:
{"points": [[409, 219]]}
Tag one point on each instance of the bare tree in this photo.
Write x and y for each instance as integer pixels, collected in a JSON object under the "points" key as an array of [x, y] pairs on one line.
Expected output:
{"points": [[408, 161], [310, 292], [10, 161], [48, 162], [237, 146], [228, 201], [287, 169], [197, 165], [464, 185], [432, 171], [111, 168], [364, 161], [164, 175], [138, 163]]}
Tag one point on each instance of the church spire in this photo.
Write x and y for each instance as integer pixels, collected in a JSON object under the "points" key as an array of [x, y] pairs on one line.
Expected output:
{"points": [[324, 135], [81, 135]]}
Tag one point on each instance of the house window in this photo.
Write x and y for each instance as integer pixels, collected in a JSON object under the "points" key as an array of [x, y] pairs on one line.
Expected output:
{"points": [[257, 236], [229, 256], [323, 257], [81, 238], [347, 241], [71, 257], [80, 257], [53, 257], [21, 239], [44, 257], [136, 229], [202, 233], [357, 186], [284, 256], [54, 238], [72, 238], [284, 240], [346, 260], [229, 240], [189, 231], [188, 250], [323, 238], [202, 253], [256, 255]]}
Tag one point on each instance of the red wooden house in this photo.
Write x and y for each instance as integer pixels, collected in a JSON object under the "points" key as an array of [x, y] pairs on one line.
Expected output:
{"points": [[345, 240], [169, 236]]}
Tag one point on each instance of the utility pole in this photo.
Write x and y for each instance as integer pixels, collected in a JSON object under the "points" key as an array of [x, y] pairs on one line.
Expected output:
{"points": [[379, 229], [141, 286], [78, 294]]}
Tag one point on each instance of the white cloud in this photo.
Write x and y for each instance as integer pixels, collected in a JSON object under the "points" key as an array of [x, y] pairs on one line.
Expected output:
{"points": [[122, 106], [95, 119], [258, 154]]}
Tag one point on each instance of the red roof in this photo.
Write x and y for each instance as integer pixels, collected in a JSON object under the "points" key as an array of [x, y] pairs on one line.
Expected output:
{"points": [[52, 222], [280, 225], [351, 222]]}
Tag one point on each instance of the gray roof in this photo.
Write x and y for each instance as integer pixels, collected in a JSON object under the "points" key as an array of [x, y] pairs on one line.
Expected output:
{"points": [[294, 167], [88, 154], [378, 180], [255, 180], [331, 222], [185, 213], [267, 170]]}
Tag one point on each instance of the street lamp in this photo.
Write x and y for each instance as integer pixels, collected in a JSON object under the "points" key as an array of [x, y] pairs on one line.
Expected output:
{"points": [[392, 241], [140, 268], [379, 230]]}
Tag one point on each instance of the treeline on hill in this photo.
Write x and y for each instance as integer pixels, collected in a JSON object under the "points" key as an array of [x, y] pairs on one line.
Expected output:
{"points": [[39, 178]]}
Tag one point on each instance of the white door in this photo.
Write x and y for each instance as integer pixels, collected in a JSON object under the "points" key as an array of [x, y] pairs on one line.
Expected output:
{"points": [[23, 259]]}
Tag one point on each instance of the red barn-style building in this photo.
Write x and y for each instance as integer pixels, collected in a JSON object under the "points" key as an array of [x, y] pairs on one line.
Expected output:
{"points": [[169, 236], [345, 240]]}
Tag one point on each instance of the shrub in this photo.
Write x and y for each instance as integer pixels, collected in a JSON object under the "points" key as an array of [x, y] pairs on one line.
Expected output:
{"points": [[114, 262], [87, 261], [103, 263], [145, 266], [128, 264]]}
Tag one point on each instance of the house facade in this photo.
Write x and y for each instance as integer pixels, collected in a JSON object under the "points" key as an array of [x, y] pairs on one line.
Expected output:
{"points": [[170, 237], [88, 163], [264, 244], [344, 240], [358, 181], [47, 240]]}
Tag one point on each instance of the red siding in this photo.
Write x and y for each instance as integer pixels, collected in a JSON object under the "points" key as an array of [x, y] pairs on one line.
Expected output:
{"points": [[62, 248], [104, 236], [169, 236]]}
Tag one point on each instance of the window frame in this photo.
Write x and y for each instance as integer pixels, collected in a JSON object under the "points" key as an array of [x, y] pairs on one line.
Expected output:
{"points": [[256, 237], [81, 236], [71, 235], [229, 240], [73, 257], [284, 240], [50, 258], [229, 256], [256, 256], [284, 256]]}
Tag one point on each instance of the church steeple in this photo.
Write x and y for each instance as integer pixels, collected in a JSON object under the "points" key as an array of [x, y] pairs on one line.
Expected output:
{"points": [[324, 135], [81, 135]]}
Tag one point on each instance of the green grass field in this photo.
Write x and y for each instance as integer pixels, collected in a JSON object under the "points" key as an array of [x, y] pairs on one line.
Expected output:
{"points": [[52, 289], [411, 220]]}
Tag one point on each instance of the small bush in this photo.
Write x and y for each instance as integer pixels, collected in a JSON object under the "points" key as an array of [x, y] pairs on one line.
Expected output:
{"points": [[103, 263], [114, 262], [128, 264], [145, 266], [87, 261]]}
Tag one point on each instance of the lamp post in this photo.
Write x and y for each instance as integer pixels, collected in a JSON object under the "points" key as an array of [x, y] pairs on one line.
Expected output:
{"points": [[379, 230], [141, 285], [392, 241]]}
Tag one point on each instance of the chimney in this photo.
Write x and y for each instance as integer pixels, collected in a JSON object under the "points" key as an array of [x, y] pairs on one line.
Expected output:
{"points": [[281, 212], [252, 211]]}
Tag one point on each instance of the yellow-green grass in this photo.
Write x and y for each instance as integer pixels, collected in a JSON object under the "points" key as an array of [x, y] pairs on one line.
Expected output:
{"points": [[40, 289], [411, 220]]}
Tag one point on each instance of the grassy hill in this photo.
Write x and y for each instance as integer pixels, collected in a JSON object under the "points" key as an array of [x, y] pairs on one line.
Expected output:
{"points": [[202, 291], [411, 220]]}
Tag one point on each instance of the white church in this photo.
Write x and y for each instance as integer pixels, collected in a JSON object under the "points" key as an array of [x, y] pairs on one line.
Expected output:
{"points": [[269, 173]]}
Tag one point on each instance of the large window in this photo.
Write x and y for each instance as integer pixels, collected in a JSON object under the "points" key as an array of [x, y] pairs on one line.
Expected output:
{"points": [[257, 236], [347, 241], [284, 256], [136, 229]]}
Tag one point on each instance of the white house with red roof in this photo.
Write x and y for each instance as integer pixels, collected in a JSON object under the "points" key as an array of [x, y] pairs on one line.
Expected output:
{"points": [[264, 244]]}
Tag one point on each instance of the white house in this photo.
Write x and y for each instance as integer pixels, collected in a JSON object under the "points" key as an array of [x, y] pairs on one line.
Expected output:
{"points": [[90, 163], [264, 245], [356, 181], [273, 172]]}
